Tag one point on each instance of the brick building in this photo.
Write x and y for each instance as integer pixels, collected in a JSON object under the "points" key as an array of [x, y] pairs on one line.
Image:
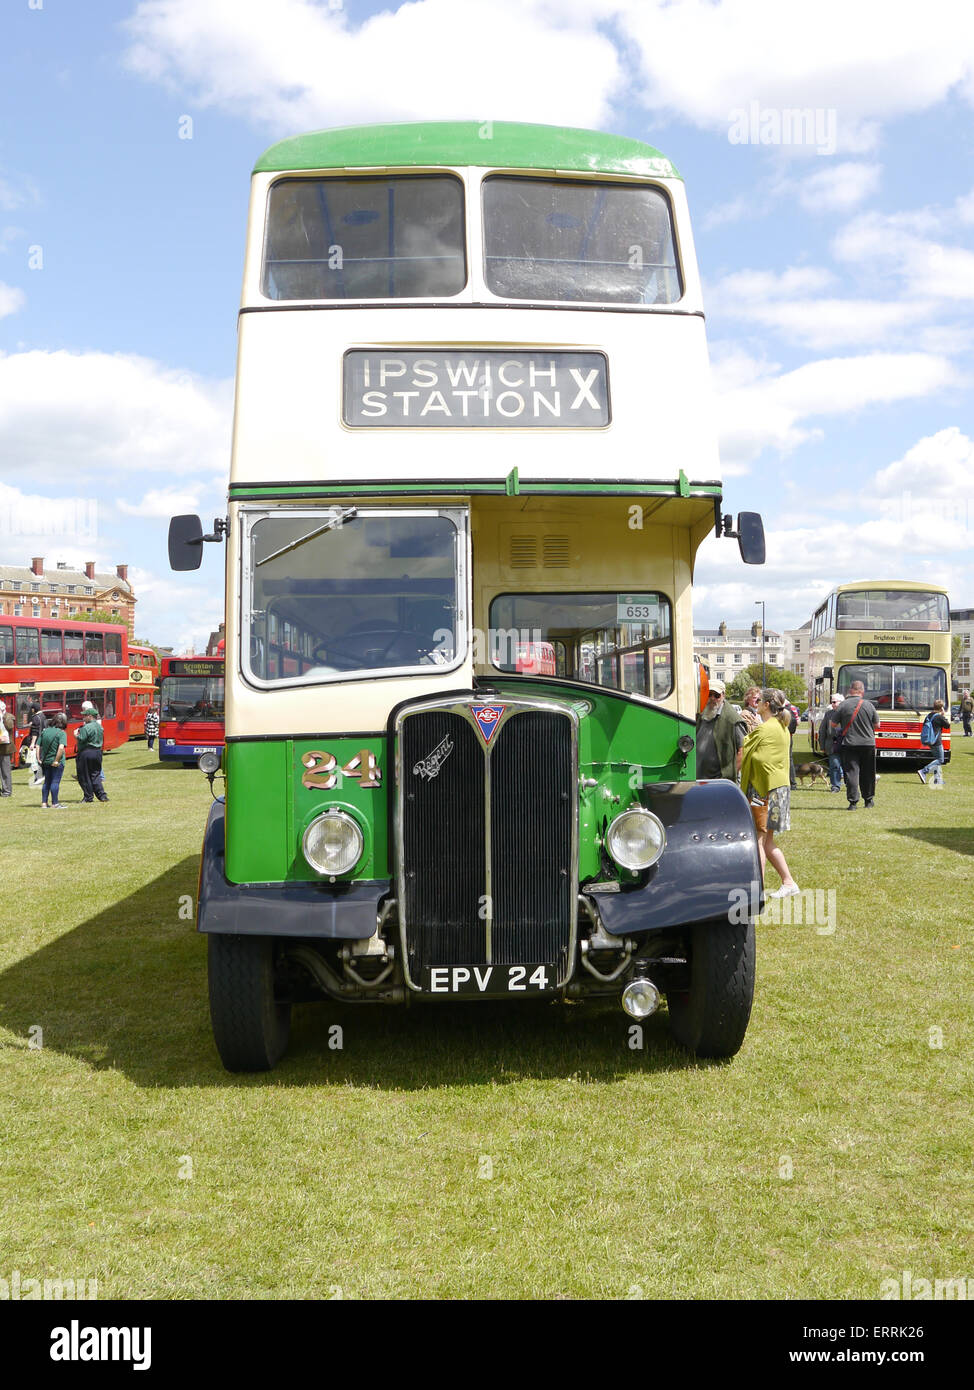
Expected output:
{"points": [[64, 592]]}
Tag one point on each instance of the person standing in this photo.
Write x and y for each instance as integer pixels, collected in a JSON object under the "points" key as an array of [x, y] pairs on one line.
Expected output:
{"points": [[89, 741], [8, 732], [151, 725], [856, 722], [38, 723], [938, 722], [825, 743], [720, 736], [52, 752], [752, 698], [764, 777], [966, 710]]}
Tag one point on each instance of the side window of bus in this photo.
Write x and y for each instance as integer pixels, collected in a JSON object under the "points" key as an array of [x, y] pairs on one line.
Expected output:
{"points": [[107, 705], [74, 649], [28, 647], [50, 647], [75, 699], [394, 237], [113, 648], [94, 649], [6, 646]]}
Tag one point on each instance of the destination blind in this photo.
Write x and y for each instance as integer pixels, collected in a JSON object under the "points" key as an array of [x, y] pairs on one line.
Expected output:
{"points": [[443, 389]]}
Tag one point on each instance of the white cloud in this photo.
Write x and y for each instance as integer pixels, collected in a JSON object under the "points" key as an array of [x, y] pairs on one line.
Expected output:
{"points": [[75, 415], [308, 65], [11, 300], [900, 244], [840, 187], [772, 411], [163, 502], [867, 61], [940, 465]]}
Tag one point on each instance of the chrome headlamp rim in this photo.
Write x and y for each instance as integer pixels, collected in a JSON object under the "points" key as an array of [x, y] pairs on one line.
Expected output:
{"points": [[334, 813], [208, 762], [644, 861]]}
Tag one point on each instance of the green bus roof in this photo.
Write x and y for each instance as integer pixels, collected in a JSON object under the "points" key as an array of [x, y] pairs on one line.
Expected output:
{"points": [[497, 144]]}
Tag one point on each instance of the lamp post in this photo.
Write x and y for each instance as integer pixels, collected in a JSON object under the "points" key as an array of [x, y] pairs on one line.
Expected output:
{"points": [[764, 669]]}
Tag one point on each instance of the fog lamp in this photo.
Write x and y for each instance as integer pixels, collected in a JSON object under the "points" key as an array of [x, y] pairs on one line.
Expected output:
{"points": [[208, 762], [636, 838], [333, 843], [640, 999]]}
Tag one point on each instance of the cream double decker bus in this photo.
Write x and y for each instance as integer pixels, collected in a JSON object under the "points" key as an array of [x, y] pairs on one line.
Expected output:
{"points": [[894, 636], [473, 460]]}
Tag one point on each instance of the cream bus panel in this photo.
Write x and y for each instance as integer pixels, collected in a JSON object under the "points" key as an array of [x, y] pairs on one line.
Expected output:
{"points": [[288, 421]]}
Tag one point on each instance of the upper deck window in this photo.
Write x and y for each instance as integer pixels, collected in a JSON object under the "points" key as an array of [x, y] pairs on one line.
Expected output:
{"points": [[900, 610], [599, 243], [395, 237]]}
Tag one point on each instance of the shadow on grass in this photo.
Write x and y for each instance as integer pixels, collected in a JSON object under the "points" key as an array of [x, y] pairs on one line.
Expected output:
{"points": [[959, 838], [127, 990]]}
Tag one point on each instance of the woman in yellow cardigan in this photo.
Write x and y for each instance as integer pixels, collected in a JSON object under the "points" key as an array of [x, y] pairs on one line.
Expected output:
{"points": [[766, 780]]}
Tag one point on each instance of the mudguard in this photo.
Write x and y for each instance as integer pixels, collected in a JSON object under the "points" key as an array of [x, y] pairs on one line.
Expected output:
{"points": [[711, 851], [334, 911]]}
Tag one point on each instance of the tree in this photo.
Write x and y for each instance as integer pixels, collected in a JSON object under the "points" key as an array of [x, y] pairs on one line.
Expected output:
{"points": [[956, 652], [98, 615], [793, 685]]}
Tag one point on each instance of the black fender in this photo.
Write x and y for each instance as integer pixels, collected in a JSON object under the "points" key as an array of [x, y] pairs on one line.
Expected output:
{"points": [[710, 865], [332, 911]]}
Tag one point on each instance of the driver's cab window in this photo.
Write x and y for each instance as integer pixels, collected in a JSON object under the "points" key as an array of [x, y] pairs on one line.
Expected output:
{"points": [[344, 593]]}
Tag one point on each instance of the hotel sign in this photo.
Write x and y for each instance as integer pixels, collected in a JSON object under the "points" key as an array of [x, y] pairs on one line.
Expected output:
{"points": [[443, 389]]}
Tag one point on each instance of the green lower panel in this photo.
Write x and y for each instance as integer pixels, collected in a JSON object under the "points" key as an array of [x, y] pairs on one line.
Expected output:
{"points": [[276, 788]]}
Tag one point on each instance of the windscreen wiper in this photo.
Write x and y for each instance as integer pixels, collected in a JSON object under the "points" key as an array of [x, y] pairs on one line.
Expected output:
{"points": [[329, 525]]}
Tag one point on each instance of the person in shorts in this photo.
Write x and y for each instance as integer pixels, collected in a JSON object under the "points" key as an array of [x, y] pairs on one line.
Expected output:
{"points": [[765, 779]]}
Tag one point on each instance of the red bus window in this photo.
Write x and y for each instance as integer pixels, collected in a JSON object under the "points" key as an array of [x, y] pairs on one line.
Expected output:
{"points": [[74, 649], [6, 646], [50, 647], [107, 706], [94, 649], [113, 648], [52, 701], [74, 702], [28, 653]]}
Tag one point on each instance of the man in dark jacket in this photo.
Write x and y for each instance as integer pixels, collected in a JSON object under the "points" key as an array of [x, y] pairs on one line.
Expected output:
{"points": [[720, 732], [825, 743], [856, 721], [89, 741]]}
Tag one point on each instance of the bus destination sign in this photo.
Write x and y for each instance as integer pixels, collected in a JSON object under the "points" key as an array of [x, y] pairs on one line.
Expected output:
{"points": [[893, 651], [443, 389], [194, 668]]}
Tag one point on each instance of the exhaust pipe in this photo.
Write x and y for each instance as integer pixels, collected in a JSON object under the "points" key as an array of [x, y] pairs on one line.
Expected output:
{"points": [[640, 998]]}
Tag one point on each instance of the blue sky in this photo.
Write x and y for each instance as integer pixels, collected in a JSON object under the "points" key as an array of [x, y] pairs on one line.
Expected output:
{"points": [[839, 280]]}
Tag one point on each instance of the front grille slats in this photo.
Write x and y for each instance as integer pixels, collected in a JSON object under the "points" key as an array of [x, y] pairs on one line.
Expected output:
{"points": [[528, 770]]}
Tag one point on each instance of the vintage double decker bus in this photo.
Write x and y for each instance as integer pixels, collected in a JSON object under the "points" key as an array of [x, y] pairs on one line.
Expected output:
{"points": [[143, 686], [473, 460], [56, 666], [894, 636], [191, 708]]}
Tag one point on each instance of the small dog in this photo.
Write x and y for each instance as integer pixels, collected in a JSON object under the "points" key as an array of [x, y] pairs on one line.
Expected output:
{"points": [[812, 770]]}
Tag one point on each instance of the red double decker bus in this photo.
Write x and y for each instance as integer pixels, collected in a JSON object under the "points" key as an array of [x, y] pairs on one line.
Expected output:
{"points": [[57, 665], [143, 687], [191, 708]]}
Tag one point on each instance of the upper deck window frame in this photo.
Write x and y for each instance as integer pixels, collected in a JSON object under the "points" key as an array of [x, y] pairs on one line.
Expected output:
{"points": [[541, 176], [367, 176], [474, 292]]}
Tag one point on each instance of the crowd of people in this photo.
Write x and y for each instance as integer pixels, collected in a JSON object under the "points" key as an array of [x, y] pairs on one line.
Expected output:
{"points": [[752, 745], [45, 752]]}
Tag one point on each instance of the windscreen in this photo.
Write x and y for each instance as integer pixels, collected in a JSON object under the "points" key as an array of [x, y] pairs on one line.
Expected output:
{"points": [[186, 698], [911, 689]]}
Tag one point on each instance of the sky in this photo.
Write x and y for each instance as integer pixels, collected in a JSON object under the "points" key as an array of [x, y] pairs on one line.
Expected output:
{"points": [[836, 251]]}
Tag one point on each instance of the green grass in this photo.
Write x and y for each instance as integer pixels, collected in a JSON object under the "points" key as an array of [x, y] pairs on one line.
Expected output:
{"points": [[616, 1173]]}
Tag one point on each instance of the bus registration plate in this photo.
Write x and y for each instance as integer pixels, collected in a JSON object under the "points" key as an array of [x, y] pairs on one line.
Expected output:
{"points": [[892, 753], [488, 979]]}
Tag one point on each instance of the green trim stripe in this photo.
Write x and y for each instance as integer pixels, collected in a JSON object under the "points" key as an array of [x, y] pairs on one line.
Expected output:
{"points": [[455, 144]]}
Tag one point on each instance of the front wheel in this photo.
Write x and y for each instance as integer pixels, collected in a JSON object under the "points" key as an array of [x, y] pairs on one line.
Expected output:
{"points": [[711, 1017], [251, 1027]]}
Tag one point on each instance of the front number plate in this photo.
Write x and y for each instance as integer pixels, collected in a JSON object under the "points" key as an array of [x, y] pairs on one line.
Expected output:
{"points": [[489, 979], [891, 753]]}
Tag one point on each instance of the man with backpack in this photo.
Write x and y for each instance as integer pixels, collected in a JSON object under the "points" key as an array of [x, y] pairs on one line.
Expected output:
{"points": [[854, 726], [931, 736], [966, 710]]}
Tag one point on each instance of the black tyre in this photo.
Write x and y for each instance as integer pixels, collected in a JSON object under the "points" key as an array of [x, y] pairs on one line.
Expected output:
{"points": [[711, 1017], [250, 1025]]}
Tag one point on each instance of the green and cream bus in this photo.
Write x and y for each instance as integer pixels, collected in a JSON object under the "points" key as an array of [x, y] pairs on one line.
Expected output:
{"points": [[473, 459]]}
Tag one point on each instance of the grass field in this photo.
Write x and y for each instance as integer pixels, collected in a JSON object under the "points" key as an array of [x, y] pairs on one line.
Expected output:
{"points": [[488, 1150]]}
